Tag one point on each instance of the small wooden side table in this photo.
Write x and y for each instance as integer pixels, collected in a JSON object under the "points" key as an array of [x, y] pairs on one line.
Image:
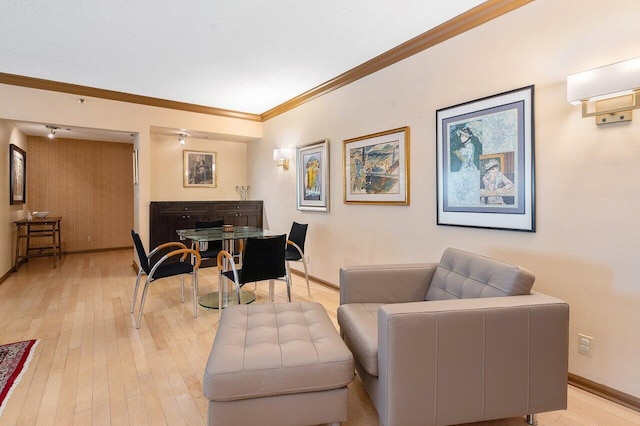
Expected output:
{"points": [[48, 227]]}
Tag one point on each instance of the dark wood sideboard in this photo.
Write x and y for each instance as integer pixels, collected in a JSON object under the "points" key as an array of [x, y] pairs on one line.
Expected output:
{"points": [[167, 216]]}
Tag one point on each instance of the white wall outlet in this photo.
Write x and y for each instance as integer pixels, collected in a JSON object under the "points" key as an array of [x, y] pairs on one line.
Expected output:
{"points": [[585, 344], [89, 238], [308, 259]]}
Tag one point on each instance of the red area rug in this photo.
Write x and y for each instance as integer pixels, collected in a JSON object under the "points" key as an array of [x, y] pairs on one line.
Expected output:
{"points": [[14, 359]]}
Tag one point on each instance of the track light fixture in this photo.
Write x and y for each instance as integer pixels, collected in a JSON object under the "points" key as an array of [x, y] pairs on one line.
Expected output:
{"points": [[182, 139], [52, 131]]}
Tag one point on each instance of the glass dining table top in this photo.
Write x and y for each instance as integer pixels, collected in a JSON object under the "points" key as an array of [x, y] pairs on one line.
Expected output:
{"points": [[217, 234], [210, 300]]}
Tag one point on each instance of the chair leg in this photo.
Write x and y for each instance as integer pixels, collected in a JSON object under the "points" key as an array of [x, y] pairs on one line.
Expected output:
{"points": [[144, 297], [194, 284], [288, 282], [238, 293], [182, 287], [531, 419], [135, 291], [220, 292], [271, 283]]}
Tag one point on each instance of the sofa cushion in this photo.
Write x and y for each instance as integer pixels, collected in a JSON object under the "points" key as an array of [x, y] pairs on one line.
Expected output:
{"points": [[359, 328], [275, 349], [462, 275]]}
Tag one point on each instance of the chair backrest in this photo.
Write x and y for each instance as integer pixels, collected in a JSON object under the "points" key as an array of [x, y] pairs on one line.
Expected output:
{"points": [[462, 275], [209, 224], [297, 235], [142, 254], [264, 259]]}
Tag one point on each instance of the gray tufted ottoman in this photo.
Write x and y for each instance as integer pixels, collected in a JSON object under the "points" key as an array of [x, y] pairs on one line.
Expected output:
{"points": [[277, 364]]}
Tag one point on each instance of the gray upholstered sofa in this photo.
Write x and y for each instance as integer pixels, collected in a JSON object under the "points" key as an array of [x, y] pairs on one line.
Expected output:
{"points": [[461, 341]]}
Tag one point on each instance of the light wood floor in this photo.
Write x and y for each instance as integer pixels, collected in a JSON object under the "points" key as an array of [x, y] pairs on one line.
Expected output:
{"points": [[93, 367]]}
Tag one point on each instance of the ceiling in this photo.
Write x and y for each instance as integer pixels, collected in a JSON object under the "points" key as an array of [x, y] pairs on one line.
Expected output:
{"points": [[239, 55]]}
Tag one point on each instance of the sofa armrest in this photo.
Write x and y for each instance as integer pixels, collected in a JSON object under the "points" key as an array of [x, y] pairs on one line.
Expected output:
{"points": [[470, 359], [385, 283]]}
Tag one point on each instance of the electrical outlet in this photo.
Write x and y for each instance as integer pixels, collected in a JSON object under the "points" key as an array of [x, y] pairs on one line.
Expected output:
{"points": [[585, 344], [89, 238], [308, 259]]}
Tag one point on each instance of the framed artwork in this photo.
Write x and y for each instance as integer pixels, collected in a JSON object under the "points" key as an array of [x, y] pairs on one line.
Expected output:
{"points": [[17, 175], [312, 165], [376, 168], [485, 162], [199, 169]]}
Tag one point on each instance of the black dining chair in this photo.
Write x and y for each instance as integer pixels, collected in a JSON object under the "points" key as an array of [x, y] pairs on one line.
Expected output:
{"points": [[160, 269], [295, 248], [263, 259]]}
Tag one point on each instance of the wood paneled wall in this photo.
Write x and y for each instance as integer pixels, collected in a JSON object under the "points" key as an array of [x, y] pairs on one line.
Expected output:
{"points": [[89, 184]]}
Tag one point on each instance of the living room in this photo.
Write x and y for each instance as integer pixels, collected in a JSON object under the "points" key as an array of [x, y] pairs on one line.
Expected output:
{"points": [[584, 247]]}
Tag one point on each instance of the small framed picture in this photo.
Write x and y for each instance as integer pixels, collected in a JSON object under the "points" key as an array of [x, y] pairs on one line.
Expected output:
{"points": [[199, 169], [485, 162], [376, 168], [18, 175], [312, 166]]}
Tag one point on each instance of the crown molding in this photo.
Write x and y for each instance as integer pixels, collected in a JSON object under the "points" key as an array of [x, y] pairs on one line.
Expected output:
{"points": [[76, 89], [477, 16]]}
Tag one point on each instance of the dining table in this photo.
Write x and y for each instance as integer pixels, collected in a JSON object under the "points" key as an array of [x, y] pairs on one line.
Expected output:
{"points": [[206, 235]]}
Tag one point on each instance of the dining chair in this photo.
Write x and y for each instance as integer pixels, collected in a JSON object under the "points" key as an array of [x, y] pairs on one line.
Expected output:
{"points": [[263, 259], [160, 269], [295, 248]]}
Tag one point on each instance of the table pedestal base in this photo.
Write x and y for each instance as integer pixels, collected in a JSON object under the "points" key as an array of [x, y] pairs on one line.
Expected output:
{"points": [[210, 300]]}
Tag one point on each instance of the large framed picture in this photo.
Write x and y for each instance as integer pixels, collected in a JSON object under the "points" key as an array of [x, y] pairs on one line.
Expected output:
{"points": [[17, 175], [376, 168], [485, 162], [199, 169], [312, 165]]}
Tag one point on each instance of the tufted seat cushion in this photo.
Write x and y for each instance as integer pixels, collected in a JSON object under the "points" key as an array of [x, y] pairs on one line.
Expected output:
{"points": [[462, 275], [275, 349]]}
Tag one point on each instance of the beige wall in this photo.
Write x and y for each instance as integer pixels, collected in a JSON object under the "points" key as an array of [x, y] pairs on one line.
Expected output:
{"points": [[89, 184], [9, 134], [586, 247], [167, 169], [43, 106]]}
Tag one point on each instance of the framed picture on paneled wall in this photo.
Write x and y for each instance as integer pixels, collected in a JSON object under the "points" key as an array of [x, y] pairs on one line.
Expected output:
{"points": [[485, 162], [17, 175]]}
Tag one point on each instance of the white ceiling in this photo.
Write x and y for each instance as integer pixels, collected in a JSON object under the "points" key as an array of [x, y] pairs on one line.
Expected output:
{"points": [[242, 55]]}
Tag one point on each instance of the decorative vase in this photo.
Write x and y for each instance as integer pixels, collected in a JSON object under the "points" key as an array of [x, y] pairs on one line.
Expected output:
{"points": [[243, 191]]}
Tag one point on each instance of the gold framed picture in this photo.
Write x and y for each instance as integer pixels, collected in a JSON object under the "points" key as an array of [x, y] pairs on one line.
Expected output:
{"points": [[376, 168], [199, 169]]}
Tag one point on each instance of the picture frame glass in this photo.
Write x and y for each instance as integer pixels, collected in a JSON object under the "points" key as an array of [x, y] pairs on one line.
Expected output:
{"points": [[312, 168], [199, 169], [376, 168], [485, 162]]}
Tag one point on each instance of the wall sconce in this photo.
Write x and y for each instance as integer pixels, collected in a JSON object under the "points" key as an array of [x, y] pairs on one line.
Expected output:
{"points": [[52, 131], [282, 157], [614, 88], [182, 139]]}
